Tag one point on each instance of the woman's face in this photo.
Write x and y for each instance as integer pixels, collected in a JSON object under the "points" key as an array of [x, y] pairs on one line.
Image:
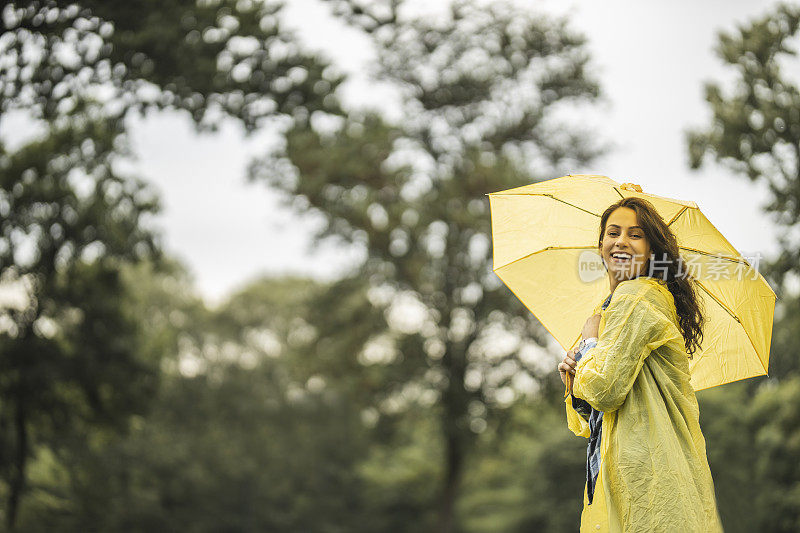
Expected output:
{"points": [[624, 238]]}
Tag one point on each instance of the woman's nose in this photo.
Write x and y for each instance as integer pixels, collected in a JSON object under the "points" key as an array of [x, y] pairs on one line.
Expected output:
{"points": [[621, 243]]}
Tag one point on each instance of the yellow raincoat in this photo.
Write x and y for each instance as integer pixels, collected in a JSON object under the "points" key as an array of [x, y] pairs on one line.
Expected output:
{"points": [[654, 474]]}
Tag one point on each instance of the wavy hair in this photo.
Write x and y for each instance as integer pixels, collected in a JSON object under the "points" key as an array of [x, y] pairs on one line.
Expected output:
{"points": [[672, 268]]}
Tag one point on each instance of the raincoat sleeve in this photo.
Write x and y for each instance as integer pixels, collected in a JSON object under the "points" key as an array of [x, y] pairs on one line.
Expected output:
{"points": [[575, 422], [636, 323]]}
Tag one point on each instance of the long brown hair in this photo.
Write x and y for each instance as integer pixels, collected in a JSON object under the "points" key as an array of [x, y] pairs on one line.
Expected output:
{"points": [[664, 247]]}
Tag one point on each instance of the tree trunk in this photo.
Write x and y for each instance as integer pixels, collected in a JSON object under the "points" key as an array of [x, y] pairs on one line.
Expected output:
{"points": [[17, 481], [452, 480], [456, 434]]}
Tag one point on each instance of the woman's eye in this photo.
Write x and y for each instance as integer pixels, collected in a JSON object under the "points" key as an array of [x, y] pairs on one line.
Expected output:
{"points": [[614, 234]]}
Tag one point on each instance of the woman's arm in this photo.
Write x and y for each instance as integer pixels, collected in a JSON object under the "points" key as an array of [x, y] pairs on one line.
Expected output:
{"points": [[636, 323], [578, 410], [580, 405]]}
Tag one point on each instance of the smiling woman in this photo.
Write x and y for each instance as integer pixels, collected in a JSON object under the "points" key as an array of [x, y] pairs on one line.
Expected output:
{"points": [[646, 467]]}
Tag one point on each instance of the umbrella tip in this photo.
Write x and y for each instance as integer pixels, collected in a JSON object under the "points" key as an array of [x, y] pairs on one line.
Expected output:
{"points": [[631, 187]]}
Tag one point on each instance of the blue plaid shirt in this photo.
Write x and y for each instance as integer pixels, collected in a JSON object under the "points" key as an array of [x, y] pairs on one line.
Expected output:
{"points": [[595, 419]]}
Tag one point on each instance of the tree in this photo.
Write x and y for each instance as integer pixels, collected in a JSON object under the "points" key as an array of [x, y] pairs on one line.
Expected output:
{"points": [[213, 59], [70, 217], [755, 128], [69, 353], [236, 438], [480, 91]]}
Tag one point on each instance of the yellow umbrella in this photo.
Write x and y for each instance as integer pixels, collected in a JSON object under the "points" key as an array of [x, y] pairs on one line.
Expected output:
{"points": [[544, 239]]}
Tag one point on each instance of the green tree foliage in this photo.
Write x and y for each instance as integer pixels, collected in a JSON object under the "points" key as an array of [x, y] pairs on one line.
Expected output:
{"points": [[69, 217], [530, 477], [235, 440], [751, 438], [480, 93], [240, 436], [224, 450], [69, 352], [213, 59]]}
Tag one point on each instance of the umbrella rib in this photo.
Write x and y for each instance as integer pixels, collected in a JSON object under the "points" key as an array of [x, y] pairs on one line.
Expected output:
{"points": [[677, 215], [554, 198], [544, 250], [565, 202], [725, 307], [726, 258], [736, 318]]}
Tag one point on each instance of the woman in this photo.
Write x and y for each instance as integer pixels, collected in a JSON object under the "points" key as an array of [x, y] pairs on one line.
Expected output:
{"points": [[646, 464]]}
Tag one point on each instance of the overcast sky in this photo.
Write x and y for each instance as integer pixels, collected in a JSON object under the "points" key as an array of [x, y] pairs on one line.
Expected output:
{"points": [[651, 57]]}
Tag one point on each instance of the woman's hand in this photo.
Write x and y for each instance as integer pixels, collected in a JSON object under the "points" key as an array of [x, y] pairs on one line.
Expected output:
{"points": [[592, 327], [567, 365]]}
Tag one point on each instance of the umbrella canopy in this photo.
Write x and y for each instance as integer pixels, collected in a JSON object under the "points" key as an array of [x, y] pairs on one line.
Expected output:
{"points": [[545, 249]]}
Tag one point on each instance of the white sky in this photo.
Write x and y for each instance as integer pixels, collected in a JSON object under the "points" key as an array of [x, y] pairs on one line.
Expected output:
{"points": [[652, 58]]}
